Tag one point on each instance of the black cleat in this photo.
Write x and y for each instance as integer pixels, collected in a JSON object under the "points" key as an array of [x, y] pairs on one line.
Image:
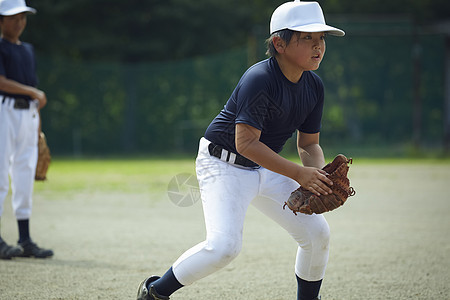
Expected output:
{"points": [[8, 252], [30, 249], [146, 291]]}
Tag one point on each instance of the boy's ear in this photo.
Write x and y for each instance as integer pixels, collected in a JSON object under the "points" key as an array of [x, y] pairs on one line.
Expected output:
{"points": [[279, 44]]}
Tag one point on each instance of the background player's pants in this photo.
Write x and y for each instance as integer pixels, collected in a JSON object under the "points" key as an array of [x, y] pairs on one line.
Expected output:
{"points": [[18, 155], [226, 192]]}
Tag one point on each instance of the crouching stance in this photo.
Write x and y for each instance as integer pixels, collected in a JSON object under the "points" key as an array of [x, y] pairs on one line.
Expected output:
{"points": [[238, 162]]}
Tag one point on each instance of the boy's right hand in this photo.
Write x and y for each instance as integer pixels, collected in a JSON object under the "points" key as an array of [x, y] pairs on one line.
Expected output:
{"points": [[315, 180]]}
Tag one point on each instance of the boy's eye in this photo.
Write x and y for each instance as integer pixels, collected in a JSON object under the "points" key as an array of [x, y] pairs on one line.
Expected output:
{"points": [[309, 37]]}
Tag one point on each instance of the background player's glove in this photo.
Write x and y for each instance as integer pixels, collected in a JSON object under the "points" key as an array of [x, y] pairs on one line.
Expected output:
{"points": [[44, 158], [302, 200]]}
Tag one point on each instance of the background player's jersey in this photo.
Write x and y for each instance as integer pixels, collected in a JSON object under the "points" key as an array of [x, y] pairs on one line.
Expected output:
{"points": [[265, 99], [17, 62]]}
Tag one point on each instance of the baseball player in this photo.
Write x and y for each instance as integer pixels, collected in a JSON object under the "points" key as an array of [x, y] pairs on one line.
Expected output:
{"points": [[20, 102], [238, 162]]}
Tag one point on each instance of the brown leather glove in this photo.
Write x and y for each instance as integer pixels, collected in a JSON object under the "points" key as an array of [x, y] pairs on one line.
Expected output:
{"points": [[302, 200], [44, 158]]}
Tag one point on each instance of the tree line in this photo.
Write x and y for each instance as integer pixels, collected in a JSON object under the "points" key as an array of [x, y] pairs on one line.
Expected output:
{"points": [[148, 76], [156, 30]]}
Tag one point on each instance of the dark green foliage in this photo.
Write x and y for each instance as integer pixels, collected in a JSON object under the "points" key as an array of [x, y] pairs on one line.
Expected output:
{"points": [[148, 76]]}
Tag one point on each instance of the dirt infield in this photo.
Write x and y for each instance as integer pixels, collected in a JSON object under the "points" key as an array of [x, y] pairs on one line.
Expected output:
{"points": [[390, 241]]}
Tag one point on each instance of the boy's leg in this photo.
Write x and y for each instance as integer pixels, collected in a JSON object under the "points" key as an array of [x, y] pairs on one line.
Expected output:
{"points": [[308, 290], [311, 232], [23, 169], [24, 162], [6, 140], [226, 192]]}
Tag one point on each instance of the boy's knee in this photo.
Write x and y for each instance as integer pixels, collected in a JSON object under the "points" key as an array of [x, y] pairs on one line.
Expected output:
{"points": [[323, 236], [225, 250], [318, 237]]}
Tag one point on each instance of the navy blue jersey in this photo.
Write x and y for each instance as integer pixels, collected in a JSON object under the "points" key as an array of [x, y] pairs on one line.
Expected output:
{"points": [[265, 99], [17, 62]]}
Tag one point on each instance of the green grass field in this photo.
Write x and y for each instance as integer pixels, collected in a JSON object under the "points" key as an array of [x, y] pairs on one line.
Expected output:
{"points": [[134, 175], [111, 224], [73, 175]]}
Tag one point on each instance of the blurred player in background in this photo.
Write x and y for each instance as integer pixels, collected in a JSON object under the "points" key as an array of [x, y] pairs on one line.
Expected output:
{"points": [[20, 102]]}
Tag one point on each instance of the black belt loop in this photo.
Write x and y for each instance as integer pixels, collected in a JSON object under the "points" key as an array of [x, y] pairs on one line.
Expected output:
{"points": [[3, 99], [216, 151]]}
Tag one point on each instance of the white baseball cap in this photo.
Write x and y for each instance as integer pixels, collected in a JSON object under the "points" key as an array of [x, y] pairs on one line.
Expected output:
{"points": [[14, 7], [301, 16]]}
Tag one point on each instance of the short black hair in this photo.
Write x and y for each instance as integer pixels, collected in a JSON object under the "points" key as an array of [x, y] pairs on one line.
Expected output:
{"points": [[284, 34]]}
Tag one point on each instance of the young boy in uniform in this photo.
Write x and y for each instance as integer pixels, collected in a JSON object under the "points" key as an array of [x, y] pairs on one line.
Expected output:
{"points": [[238, 162], [20, 102]]}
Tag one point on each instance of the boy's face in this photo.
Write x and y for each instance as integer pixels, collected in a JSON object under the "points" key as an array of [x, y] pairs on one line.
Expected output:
{"points": [[13, 26], [306, 50]]}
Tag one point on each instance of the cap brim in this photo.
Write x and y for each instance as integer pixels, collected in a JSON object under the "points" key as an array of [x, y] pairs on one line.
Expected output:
{"points": [[319, 28], [18, 10]]}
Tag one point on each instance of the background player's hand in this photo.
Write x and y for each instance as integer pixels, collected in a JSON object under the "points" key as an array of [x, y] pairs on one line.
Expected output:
{"points": [[14, 87], [41, 97], [315, 180]]}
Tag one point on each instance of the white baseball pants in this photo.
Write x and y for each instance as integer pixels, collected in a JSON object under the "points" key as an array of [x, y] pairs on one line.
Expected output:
{"points": [[18, 155], [226, 192]]}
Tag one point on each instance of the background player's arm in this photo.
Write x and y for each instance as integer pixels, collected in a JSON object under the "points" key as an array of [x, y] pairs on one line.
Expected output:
{"points": [[249, 145], [14, 87]]}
